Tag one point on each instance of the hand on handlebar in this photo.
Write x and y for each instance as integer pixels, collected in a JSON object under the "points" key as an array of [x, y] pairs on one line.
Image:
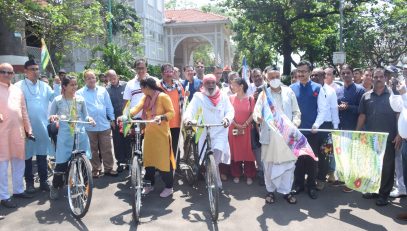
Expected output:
{"points": [[92, 122], [157, 119], [190, 122], [225, 122]]}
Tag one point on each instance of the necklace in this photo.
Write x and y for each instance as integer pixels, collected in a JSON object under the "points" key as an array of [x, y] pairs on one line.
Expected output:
{"points": [[36, 91]]}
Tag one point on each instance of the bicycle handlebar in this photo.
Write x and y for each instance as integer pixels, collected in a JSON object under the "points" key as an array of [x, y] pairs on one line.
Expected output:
{"points": [[141, 121], [205, 125], [76, 121]]}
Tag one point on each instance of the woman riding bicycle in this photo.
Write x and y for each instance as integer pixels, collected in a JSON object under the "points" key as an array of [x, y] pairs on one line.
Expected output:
{"points": [[157, 153], [67, 106]]}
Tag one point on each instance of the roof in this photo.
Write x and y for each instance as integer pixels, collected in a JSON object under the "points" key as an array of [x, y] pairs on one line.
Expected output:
{"points": [[191, 16]]}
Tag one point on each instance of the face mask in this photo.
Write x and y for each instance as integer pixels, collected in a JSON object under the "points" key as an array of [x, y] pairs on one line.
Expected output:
{"points": [[275, 83]]}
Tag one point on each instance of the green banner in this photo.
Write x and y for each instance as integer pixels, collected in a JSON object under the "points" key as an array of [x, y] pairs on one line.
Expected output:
{"points": [[359, 159]]}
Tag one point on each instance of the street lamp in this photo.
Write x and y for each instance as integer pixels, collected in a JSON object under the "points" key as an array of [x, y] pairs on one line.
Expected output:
{"points": [[341, 25]]}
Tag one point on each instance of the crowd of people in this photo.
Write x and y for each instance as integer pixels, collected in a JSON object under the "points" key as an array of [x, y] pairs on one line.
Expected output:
{"points": [[246, 147]]}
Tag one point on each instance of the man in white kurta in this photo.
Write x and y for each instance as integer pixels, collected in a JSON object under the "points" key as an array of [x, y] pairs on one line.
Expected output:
{"points": [[215, 108], [278, 160]]}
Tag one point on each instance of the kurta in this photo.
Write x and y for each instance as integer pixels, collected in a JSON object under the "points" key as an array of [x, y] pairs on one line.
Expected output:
{"points": [[60, 106], [15, 122], [157, 137], [213, 115], [240, 145], [38, 96]]}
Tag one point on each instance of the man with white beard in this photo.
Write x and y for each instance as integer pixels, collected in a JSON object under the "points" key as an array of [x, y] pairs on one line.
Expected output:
{"points": [[215, 108]]}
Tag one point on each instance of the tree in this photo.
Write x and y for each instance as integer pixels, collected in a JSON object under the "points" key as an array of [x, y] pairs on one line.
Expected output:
{"points": [[378, 36], [111, 56], [290, 26], [61, 23]]}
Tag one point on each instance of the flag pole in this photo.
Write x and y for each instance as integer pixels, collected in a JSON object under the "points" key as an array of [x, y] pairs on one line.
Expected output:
{"points": [[52, 64], [333, 130]]}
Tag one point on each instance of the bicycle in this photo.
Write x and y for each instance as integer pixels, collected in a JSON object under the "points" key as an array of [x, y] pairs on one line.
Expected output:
{"points": [[79, 181], [192, 163], [136, 177]]}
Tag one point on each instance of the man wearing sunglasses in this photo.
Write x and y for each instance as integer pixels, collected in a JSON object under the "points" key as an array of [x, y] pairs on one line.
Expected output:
{"points": [[37, 95]]}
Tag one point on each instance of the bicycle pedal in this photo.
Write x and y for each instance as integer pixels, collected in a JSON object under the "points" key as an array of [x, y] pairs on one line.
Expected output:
{"points": [[184, 166]]}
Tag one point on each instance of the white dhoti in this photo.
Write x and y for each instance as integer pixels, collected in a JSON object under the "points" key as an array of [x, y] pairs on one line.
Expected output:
{"points": [[17, 173], [279, 177]]}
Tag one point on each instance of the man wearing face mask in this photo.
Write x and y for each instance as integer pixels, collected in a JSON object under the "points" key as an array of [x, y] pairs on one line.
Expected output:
{"points": [[278, 162], [215, 108]]}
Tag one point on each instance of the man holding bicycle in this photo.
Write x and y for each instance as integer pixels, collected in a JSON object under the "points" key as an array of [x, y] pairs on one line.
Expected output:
{"points": [[211, 106]]}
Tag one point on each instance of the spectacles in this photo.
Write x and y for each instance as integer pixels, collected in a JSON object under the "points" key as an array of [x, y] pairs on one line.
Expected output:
{"points": [[33, 69], [7, 72], [200, 66], [168, 71]]}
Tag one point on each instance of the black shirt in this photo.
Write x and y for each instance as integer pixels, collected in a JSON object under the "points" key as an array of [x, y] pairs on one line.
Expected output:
{"points": [[380, 117]]}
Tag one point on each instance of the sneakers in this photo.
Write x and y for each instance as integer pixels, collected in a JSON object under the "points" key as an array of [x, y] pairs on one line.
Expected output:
{"points": [[30, 189], [236, 180], [331, 177], [166, 192], [22, 195], [53, 193], [249, 181], [147, 190], [396, 193], [320, 185], [347, 190], [8, 203], [44, 187]]}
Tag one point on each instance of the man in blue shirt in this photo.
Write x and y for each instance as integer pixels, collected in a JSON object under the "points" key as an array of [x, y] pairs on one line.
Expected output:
{"points": [[313, 109], [100, 108], [349, 96], [191, 83]]}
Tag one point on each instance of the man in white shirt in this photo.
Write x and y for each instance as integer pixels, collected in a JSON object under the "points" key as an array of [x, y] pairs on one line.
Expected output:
{"points": [[331, 120], [399, 104], [133, 91], [330, 77]]}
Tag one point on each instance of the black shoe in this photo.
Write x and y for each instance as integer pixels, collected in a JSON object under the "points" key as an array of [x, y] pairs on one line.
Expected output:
{"points": [[370, 195], [382, 201], [297, 190], [23, 195], [313, 193], [30, 189], [44, 187], [120, 168], [8, 203]]}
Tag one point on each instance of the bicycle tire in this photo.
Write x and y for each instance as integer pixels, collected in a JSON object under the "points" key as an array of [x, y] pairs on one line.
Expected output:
{"points": [[191, 150], [137, 186], [212, 186], [80, 186]]}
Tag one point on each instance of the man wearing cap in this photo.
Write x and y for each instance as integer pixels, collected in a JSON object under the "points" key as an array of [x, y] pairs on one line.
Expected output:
{"points": [[15, 125], [212, 107], [38, 95], [61, 73]]}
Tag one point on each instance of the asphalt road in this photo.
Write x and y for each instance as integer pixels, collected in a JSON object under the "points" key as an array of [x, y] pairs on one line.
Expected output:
{"points": [[242, 207]]}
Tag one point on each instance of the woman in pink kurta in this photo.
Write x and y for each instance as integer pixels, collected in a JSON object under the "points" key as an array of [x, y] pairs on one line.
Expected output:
{"points": [[239, 133]]}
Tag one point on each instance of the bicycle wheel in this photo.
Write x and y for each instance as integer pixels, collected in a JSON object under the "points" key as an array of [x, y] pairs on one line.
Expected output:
{"points": [[80, 186], [137, 186], [190, 175], [212, 186]]}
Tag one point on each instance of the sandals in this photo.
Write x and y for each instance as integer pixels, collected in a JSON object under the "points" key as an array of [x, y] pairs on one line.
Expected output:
{"points": [[290, 198], [270, 198]]}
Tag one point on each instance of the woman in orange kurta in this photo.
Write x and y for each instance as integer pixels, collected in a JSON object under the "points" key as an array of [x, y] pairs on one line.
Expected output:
{"points": [[158, 153]]}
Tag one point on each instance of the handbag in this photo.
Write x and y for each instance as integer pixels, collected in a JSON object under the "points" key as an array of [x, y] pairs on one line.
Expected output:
{"points": [[52, 129]]}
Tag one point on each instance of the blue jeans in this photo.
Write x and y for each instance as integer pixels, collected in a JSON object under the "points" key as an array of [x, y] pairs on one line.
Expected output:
{"points": [[404, 160]]}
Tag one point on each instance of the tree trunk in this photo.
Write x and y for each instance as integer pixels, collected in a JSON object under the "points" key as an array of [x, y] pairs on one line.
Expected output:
{"points": [[287, 51]]}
